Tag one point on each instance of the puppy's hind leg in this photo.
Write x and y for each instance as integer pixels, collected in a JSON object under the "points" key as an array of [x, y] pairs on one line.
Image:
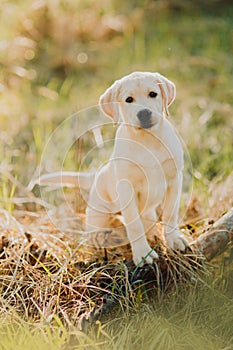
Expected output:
{"points": [[97, 220], [98, 228]]}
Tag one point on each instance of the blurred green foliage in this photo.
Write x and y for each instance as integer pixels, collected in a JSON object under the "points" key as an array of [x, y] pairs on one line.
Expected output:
{"points": [[57, 57]]}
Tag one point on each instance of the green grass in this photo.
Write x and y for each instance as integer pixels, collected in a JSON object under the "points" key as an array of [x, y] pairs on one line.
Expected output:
{"points": [[56, 58], [198, 317]]}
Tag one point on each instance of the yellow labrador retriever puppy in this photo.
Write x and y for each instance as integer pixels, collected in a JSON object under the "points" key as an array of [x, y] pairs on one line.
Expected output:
{"points": [[145, 169]]}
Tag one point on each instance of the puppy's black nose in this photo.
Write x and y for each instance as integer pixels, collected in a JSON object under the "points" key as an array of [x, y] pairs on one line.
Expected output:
{"points": [[144, 115]]}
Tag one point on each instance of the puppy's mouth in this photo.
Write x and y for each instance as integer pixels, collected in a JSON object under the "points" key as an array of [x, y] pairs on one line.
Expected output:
{"points": [[146, 125]]}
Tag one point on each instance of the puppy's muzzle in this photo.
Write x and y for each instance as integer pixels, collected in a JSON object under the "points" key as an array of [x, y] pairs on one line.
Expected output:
{"points": [[145, 118]]}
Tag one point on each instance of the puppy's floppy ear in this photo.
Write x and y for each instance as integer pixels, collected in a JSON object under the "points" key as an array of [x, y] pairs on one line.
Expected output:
{"points": [[108, 102], [168, 90]]}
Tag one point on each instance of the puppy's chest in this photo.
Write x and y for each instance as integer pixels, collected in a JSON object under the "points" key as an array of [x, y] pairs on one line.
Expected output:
{"points": [[149, 183], [146, 150]]}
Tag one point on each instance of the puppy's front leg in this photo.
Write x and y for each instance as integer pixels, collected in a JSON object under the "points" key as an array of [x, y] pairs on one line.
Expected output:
{"points": [[173, 236], [142, 252]]}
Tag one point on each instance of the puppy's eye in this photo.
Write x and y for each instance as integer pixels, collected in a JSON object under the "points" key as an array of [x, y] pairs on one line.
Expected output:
{"points": [[129, 99], [153, 94]]}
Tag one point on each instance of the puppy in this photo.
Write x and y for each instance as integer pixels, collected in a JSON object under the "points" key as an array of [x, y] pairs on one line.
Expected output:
{"points": [[145, 168]]}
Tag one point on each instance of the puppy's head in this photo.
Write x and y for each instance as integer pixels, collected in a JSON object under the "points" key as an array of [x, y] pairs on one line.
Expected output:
{"points": [[139, 99]]}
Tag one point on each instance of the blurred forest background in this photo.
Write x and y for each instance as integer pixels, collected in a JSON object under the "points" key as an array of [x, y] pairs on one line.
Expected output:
{"points": [[57, 57]]}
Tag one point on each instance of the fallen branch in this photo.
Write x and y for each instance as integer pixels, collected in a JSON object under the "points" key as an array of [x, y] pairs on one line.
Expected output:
{"points": [[217, 239]]}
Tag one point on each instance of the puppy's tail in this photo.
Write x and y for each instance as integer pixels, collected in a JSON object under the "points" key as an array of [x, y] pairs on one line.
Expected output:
{"points": [[67, 179]]}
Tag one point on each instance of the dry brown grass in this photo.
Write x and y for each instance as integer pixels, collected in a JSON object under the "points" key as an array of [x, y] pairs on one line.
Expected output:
{"points": [[48, 273]]}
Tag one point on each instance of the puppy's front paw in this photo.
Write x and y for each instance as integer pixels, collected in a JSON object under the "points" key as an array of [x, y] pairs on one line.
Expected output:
{"points": [[176, 240], [143, 254]]}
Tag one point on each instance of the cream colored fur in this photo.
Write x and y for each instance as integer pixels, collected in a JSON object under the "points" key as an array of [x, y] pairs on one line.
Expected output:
{"points": [[145, 169]]}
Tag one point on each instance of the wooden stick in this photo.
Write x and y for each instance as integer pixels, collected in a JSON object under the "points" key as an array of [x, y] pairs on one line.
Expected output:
{"points": [[216, 240]]}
